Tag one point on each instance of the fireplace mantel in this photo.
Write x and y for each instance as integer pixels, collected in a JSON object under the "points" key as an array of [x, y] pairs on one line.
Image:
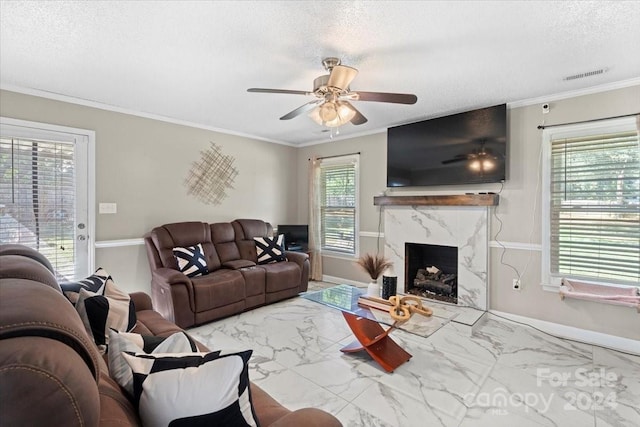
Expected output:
{"points": [[441, 200]]}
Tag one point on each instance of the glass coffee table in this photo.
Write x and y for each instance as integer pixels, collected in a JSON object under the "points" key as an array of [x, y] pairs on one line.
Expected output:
{"points": [[370, 335]]}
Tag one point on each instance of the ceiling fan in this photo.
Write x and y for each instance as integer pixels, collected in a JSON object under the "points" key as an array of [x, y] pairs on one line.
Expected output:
{"points": [[331, 106]]}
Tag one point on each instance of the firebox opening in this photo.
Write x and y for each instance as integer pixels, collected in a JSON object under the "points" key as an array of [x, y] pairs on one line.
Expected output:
{"points": [[431, 271]]}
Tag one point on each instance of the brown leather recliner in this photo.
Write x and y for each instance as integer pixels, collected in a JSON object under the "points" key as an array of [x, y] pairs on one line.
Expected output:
{"points": [[51, 373], [235, 282]]}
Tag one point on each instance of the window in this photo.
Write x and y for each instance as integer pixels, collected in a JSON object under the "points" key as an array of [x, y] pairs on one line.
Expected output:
{"points": [[592, 203], [339, 204], [44, 194]]}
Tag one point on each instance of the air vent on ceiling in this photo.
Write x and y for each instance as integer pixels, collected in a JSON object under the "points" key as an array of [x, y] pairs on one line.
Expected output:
{"points": [[587, 74]]}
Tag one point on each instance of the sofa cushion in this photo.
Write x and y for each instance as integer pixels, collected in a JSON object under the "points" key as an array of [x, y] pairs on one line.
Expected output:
{"points": [[182, 390], [22, 266], [120, 342], [99, 313], [224, 240], [246, 230], [217, 289], [94, 283], [29, 308], [183, 234], [191, 260], [281, 276], [45, 373], [270, 249]]}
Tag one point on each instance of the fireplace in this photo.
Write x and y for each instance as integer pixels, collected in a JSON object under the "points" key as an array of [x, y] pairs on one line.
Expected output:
{"points": [[431, 271], [464, 227]]}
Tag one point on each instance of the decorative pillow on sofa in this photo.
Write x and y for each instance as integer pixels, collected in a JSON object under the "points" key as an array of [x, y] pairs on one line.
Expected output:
{"points": [[100, 313], [270, 249], [191, 260], [120, 342], [94, 283], [185, 390]]}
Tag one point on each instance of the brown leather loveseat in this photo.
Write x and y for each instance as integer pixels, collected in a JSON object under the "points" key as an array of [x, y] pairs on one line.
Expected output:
{"points": [[51, 373], [234, 283]]}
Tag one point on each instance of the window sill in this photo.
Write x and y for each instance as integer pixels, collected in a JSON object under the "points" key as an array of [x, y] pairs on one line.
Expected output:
{"points": [[623, 295], [339, 255]]}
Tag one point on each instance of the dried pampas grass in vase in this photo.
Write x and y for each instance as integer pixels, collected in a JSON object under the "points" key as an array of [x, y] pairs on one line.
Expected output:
{"points": [[374, 266]]}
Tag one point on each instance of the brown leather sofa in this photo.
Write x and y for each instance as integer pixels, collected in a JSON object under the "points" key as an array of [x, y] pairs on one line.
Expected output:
{"points": [[51, 373], [235, 282]]}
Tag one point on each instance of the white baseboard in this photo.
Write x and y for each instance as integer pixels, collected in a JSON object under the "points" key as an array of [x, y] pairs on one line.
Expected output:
{"points": [[577, 334]]}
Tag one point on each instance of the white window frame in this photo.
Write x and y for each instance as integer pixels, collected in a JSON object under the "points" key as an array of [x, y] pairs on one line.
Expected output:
{"points": [[35, 130], [550, 281], [355, 160]]}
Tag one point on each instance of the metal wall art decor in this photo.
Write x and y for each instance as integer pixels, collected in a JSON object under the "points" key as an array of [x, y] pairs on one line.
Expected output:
{"points": [[211, 176]]}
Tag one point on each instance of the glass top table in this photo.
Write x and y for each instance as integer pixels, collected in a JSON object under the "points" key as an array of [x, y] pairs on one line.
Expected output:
{"points": [[341, 297], [370, 336]]}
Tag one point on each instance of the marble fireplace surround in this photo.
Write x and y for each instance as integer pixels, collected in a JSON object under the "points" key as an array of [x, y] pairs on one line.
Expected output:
{"points": [[465, 227]]}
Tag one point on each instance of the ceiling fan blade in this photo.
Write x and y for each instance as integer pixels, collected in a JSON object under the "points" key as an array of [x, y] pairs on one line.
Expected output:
{"points": [[358, 119], [341, 76], [302, 109], [286, 91], [459, 158], [395, 98]]}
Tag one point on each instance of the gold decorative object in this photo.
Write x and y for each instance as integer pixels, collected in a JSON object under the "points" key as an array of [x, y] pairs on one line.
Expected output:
{"points": [[403, 308], [211, 176]]}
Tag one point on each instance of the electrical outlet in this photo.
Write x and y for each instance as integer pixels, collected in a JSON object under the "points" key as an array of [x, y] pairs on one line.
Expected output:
{"points": [[516, 285]]}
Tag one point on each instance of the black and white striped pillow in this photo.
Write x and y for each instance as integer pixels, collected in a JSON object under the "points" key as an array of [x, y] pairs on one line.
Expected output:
{"points": [[120, 342], [270, 249], [191, 260], [201, 389], [94, 283], [100, 313]]}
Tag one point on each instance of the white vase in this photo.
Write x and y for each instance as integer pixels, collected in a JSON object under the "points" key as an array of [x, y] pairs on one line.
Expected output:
{"points": [[373, 290]]}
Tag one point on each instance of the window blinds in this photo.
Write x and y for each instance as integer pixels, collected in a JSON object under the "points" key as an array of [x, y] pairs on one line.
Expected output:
{"points": [[595, 207], [338, 206], [37, 199]]}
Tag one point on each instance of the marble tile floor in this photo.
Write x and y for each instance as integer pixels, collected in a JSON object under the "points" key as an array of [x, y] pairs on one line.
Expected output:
{"points": [[505, 374]]}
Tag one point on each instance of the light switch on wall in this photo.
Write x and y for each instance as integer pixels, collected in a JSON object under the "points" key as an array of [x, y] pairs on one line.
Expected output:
{"points": [[108, 208]]}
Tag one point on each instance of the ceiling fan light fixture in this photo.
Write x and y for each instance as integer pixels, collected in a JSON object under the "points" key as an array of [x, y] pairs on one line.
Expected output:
{"points": [[333, 114], [488, 164]]}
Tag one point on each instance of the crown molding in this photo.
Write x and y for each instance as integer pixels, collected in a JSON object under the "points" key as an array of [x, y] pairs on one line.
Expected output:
{"points": [[94, 104], [575, 93]]}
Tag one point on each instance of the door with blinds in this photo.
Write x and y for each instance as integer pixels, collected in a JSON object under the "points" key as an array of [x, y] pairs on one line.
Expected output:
{"points": [[44, 193]]}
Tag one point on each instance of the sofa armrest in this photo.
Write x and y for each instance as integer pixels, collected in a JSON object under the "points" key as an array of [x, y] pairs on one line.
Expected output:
{"points": [[141, 301], [302, 259], [170, 276], [297, 257], [173, 296], [308, 417]]}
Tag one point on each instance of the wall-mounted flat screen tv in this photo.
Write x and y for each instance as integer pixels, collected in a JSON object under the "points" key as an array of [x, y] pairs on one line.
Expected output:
{"points": [[464, 148]]}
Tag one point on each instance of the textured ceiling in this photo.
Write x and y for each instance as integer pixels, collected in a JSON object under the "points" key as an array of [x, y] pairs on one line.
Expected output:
{"points": [[193, 61]]}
